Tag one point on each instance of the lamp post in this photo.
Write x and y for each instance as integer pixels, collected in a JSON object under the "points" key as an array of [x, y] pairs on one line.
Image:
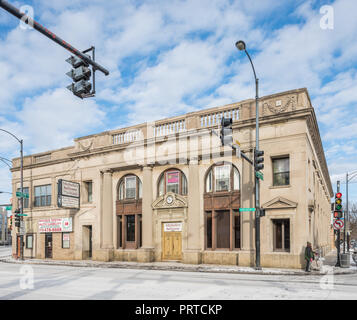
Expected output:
{"points": [[22, 185], [351, 176], [241, 46]]}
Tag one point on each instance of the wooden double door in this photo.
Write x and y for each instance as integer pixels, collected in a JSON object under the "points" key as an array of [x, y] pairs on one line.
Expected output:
{"points": [[171, 245]]}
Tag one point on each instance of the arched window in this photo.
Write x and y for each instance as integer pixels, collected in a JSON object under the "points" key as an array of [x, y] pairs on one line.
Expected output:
{"points": [[222, 203], [223, 177], [130, 188], [172, 180], [129, 212]]}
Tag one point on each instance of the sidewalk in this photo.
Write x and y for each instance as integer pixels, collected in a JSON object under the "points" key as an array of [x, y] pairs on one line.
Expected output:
{"points": [[177, 266]]}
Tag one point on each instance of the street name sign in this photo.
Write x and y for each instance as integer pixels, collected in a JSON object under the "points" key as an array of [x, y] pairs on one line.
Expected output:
{"points": [[259, 175], [246, 209]]}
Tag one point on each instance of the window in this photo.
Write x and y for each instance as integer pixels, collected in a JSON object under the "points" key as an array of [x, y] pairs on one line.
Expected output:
{"points": [[89, 190], [172, 181], [223, 178], [120, 230], [43, 196], [29, 241], [26, 200], [222, 174], [281, 234], [220, 233], [130, 188], [223, 229], [209, 230], [65, 240], [129, 233], [281, 174], [130, 227]]}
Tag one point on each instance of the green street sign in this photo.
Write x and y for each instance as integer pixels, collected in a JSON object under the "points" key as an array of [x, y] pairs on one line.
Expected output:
{"points": [[8, 208], [259, 175], [22, 195], [22, 215], [246, 209]]}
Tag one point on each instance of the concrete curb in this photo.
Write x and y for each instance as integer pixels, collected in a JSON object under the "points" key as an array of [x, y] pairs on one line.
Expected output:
{"points": [[182, 268]]}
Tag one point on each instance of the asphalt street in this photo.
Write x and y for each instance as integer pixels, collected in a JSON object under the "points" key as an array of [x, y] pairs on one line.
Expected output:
{"points": [[63, 282]]}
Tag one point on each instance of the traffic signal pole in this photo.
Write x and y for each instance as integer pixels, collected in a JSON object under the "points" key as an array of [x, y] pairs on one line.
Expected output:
{"points": [[23, 17]]}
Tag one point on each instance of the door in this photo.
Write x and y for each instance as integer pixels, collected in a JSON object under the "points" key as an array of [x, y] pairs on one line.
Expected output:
{"points": [[48, 245], [87, 242], [90, 242], [171, 244]]}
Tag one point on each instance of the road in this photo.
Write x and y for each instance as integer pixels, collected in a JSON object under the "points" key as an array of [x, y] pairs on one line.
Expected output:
{"points": [[64, 282]]}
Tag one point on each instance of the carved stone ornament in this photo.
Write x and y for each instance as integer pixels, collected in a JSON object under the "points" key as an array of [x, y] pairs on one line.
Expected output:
{"points": [[170, 200], [279, 203], [85, 147], [275, 109]]}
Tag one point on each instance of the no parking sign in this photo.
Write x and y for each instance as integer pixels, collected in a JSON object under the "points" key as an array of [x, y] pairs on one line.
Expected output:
{"points": [[338, 224]]}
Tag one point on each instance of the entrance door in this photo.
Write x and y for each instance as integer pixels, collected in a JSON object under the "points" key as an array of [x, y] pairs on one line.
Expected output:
{"points": [[90, 242], [171, 242], [87, 242], [48, 245]]}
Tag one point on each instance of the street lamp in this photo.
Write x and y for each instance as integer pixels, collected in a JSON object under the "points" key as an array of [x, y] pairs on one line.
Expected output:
{"points": [[351, 176], [242, 47], [6, 161], [22, 184], [5, 192]]}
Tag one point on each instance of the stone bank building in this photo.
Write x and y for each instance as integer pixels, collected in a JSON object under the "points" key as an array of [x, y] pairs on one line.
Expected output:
{"points": [[167, 190]]}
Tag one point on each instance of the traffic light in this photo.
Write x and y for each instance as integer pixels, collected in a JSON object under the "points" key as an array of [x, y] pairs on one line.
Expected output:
{"points": [[337, 214], [258, 160], [17, 218], [226, 131], [262, 212], [80, 75]]}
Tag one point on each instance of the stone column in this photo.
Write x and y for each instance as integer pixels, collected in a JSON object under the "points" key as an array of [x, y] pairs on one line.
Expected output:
{"points": [[107, 215], [193, 252], [147, 254]]}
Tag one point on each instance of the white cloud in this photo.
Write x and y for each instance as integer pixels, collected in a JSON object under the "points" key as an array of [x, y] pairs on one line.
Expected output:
{"points": [[53, 119]]}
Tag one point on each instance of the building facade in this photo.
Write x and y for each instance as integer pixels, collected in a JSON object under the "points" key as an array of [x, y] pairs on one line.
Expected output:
{"points": [[167, 190]]}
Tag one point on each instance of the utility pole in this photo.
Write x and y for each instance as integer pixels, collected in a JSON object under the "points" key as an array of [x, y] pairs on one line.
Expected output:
{"points": [[242, 47]]}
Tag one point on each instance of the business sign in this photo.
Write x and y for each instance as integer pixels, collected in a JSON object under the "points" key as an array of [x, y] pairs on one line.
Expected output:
{"points": [[173, 227], [68, 202], [68, 188], [68, 194], [55, 225], [173, 177]]}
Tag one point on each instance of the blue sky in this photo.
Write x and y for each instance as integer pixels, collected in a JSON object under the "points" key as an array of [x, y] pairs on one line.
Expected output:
{"points": [[171, 57]]}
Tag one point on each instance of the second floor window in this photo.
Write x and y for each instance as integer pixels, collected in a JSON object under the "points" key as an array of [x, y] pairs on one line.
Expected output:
{"points": [[173, 181], [281, 171], [222, 178], [43, 196], [130, 188], [89, 190], [26, 200]]}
